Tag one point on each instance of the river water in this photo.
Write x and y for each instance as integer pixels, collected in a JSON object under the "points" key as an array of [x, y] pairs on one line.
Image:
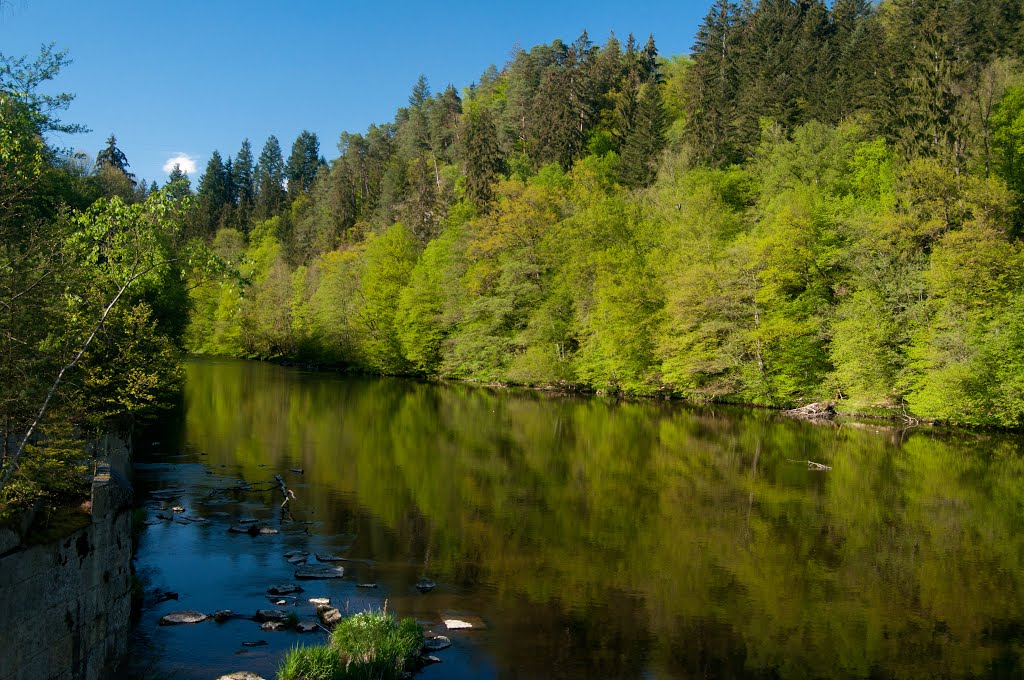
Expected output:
{"points": [[583, 537]]}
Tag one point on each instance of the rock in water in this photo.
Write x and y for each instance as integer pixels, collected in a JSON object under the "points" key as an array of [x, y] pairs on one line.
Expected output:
{"points": [[295, 553], [271, 626], [319, 572], [222, 615], [307, 626], [284, 589], [436, 643], [254, 643], [270, 615], [182, 617], [425, 584], [330, 616], [329, 558], [241, 675], [264, 531], [319, 600]]}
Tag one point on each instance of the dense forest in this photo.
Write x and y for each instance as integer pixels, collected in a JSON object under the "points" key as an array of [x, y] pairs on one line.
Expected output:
{"points": [[822, 202], [819, 203]]}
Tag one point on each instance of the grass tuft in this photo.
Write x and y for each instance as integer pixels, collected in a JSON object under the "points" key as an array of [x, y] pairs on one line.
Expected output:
{"points": [[365, 646]]}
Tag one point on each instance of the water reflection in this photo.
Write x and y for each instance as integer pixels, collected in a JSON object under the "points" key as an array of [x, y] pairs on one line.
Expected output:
{"points": [[629, 539]]}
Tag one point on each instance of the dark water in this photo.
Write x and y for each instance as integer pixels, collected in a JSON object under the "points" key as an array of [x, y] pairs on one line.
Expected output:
{"points": [[594, 538]]}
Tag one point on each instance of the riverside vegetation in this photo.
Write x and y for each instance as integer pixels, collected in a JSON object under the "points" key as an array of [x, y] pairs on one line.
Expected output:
{"points": [[93, 296], [819, 203]]}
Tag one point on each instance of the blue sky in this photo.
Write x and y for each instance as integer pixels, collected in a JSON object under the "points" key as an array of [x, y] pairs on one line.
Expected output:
{"points": [[188, 77]]}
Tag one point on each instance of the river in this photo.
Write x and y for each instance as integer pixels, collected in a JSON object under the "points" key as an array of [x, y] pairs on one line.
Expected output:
{"points": [[585, 537]]}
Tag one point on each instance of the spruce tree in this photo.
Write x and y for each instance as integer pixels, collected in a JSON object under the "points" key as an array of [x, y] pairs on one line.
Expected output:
{"points": [[303, 163], [270, 177], [715, 85]]}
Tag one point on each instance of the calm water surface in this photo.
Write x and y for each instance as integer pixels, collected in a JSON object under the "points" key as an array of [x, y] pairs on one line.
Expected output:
{"points": [[593, 538]]}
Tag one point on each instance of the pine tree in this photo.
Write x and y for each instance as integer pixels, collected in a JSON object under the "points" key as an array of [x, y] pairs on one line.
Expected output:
{"points": [[113, 157], [643, 145], [303, 163], [480, 154], [213, 195], [178, 184], [716, 84], [270, 176]]}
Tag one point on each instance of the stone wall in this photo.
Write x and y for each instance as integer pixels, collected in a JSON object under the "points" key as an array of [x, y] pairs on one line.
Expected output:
{"points": [[65, 606]]}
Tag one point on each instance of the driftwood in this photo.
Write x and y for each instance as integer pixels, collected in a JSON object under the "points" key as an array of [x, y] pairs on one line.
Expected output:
{"points": [[811, 465], [819, 410]]}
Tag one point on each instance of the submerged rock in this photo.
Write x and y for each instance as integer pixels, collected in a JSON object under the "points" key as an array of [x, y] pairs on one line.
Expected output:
{"points": [[295, 553], [271, 626], [222, 615], [241, 675], [329, 558], [284, 589], [308, 626], [298, 559], [255, 643], [436, 643], [366, 585], [265, 531], [182, 617], [309, 572], [425, 585]]}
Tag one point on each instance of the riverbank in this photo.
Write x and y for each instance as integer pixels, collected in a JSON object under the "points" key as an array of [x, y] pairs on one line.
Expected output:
{"points": [[66, 602]]}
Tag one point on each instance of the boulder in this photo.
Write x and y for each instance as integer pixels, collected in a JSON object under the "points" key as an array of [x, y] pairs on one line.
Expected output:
{"points": [[271, 626], [182, 617], [308, 572], [241, 675], [425, 585], [328, 615], [222, 615], [284, 589]]}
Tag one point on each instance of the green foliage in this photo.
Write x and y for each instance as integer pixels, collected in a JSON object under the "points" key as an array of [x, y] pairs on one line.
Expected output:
{"points": [[753, 224], [365, 646]]}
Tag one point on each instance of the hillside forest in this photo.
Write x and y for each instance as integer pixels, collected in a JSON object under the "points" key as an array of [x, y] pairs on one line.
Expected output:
{"points": [[821, 202]]}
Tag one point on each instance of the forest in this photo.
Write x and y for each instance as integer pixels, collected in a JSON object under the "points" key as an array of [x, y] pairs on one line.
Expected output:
{"points": [[821, 202], [818, 203]]}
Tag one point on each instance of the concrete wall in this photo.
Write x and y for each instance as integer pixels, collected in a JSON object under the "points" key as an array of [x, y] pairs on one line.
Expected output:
{"points": [[65, 606]]}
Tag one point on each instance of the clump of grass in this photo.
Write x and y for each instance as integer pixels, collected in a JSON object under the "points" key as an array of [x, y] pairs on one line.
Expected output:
{"points": [[365, 646], [319, 662]]}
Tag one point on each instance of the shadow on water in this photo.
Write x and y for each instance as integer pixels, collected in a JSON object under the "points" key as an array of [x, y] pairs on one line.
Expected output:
{"points": [[595, 538]]}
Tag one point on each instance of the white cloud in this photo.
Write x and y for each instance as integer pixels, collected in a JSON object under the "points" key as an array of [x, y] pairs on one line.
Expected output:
{"points": [[186, 162]]}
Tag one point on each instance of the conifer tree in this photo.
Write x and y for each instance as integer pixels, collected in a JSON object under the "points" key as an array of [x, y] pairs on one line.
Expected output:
{"points": [[113, 157], [645, 141], [303, 163], [270, 177], [715, 82], [481, 155]]}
